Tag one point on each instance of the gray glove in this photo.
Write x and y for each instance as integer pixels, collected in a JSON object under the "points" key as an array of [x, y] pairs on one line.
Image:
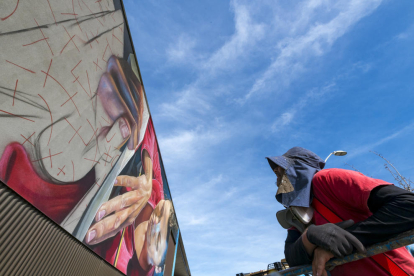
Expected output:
{"points": [[334, 238]]}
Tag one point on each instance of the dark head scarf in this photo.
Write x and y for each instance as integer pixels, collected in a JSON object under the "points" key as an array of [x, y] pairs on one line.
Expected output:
{"points": [[300, 166]]}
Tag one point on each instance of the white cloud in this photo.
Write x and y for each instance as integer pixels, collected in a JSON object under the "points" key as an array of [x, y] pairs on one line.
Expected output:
{"points": [[247, 34], [315, 96], [372, 146], [195, 97], [185, 145], [182, 50], [294, 51]]}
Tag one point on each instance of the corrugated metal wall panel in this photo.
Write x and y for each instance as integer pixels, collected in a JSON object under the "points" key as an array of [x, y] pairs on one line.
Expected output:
{"points": [[32, 244]]}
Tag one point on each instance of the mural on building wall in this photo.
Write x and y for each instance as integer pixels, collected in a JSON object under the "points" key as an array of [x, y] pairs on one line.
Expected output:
{"points": [[77, 139]]}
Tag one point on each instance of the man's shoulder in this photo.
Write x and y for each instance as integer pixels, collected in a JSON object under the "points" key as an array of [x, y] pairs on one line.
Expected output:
{"points": [[335, 173]]}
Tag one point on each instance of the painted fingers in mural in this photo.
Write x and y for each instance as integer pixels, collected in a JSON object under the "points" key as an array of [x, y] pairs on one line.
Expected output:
{"points": [[121, 95], [122, 210]]}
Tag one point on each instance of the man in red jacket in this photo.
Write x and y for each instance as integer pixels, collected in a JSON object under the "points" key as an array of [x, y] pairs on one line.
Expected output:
{"points": [[379, 210]]}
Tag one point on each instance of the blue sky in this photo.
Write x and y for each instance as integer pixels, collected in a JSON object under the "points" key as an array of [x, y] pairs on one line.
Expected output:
{"points": [[230, 82]]}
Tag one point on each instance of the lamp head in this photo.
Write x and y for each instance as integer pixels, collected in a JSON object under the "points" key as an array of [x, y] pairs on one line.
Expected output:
{"points": [[340, 153]]}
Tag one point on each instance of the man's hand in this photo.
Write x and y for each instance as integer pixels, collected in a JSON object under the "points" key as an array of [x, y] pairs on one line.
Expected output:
{"points": [[122, 210], [334, 238], [320, 257]]}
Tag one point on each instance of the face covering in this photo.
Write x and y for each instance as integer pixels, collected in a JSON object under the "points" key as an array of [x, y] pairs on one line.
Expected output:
{"points": [[300, 166]]}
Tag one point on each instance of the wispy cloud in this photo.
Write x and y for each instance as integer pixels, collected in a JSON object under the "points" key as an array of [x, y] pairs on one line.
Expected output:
{"points": [[247, 34], [314, 96], [373, 145], [294, 51], [193, 97], [181, 50], [183, 146]]}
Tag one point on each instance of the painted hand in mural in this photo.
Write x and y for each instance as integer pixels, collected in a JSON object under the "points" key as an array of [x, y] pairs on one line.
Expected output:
{"points": [[121, 211]]}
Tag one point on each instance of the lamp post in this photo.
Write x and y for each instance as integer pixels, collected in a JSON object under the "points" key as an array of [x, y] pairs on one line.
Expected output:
{"points": [[337, 153]]}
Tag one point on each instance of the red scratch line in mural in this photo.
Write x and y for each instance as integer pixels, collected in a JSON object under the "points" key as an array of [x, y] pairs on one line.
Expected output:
{"points": [[35, 42], [92, 160], [76, 132], [16, 115], [105, 120], [51, 119], [52, 11], [114, 160], [96, 182], [79, 5], [73, 8], [4, 18], [91, 12], [75, 66], [83, 88], [47, 74], [27, 139], [94, 131], [69, 99], [61, 170], [14, 94], [73, 167], [68, 43], [75, 79], [90, 44], [50, 156], [105, 52], [71, 39], [112, 15], [121, 29], [110, 139], [107, 155], [87, 76], [109, 45], [44, 37], [97, 65], [21, 67], [100, 7], [118, 39]]}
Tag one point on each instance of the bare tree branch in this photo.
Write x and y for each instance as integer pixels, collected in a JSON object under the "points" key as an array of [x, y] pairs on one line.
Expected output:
{"points": [[402, 181], [352, 167]]}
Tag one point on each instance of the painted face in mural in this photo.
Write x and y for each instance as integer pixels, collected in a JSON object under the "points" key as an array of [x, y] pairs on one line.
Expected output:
{"points": [[157, 232]]}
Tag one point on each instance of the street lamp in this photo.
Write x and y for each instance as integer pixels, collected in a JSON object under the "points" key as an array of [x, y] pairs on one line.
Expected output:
{"points": [[337, 153]]}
